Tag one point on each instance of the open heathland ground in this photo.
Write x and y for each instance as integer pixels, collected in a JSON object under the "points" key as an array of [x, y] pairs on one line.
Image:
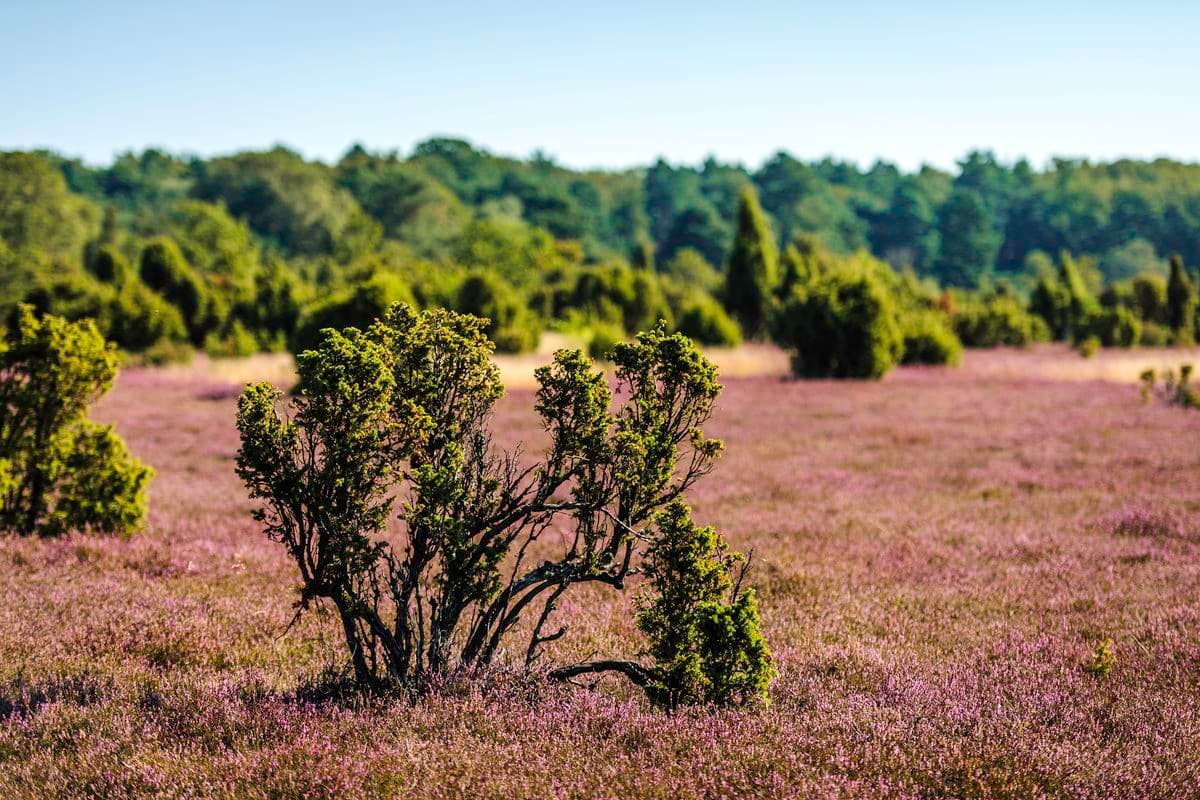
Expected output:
{"points": [[940, 557]]}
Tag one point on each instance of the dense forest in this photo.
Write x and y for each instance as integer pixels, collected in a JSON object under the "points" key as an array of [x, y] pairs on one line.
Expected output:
{"points": [[260, 250]]}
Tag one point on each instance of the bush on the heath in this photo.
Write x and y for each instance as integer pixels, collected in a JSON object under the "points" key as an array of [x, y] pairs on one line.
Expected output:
{"points": [[60, 471]]}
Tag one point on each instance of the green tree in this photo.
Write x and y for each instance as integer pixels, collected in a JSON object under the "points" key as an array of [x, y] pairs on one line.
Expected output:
{"points": [[510, 325], [164, 269], [38, 211], [366, 300], [969, 241], [752, 272], [61, 471], [402, 410], [1181, 303]]}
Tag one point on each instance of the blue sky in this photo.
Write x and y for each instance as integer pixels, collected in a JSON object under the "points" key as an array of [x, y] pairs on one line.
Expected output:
{"points": [[607, 84]]}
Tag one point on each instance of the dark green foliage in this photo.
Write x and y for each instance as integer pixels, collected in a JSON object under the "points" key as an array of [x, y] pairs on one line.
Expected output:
{"points": [[1051, 302], [603, 340], [642, 256], [752, 271], [402, 410], [702, 630], [1063, 300], [998, 321], [1154, 335], [616, 294], [233, 341], [969, 240], [801, 264], [1150, 298], [356, 305], [928, 339], [840, 326], [1112, 327], [451, 209], [37, 211], [517, 252], [510, 325], [109, 266], [143, 319], [291, 203], [1181, 303], [689, 268], [702, 319], [101, 487], [164, 269], [279, 296], [58, 470], [410, 204]]}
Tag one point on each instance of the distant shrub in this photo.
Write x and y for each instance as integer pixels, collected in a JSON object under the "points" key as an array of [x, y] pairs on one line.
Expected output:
{"points": [[109, 266], [1062, 300], [688, 267], [1088, 347], [1174, 389], [510, 324], [999, 321], [164, 269], [167, 352], [402, 410], [1181, 304], [143, 320], [233, 342], [841, 326], [1111, 327], [614, 293], [1154, 335], [702, 319], [279, 296], [1149, 296], [928, 339], [351, 306], [603, 340], [61, 471]]}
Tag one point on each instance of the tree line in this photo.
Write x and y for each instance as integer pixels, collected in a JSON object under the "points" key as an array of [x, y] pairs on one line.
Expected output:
{"points": [[262, 250]]}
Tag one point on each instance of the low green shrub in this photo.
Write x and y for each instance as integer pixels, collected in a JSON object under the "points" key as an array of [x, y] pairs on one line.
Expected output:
{"points": [[702, 319], [603, 340], [1115, 326], [928, 339], [999, 321], [511, 326], [61, 471], [840, 326]]}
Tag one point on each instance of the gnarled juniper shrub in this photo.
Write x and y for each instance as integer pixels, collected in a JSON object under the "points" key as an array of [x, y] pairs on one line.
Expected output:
{"points": [[397, 416], [60, 471]]}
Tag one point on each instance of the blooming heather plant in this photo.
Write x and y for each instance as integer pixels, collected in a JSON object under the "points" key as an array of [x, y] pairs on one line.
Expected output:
{"points": [[60, 471], [401, 413]]}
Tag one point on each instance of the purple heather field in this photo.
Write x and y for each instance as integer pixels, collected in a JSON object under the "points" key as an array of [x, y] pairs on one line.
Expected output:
{"points": [[939, 556]]}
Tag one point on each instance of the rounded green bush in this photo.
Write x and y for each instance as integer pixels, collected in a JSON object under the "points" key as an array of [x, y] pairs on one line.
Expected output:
{"points": [[1000, 321], [355, 306], [511, 326], [842, 326], [928, 339], [603, 340], [703, 320], [1112, 327]]}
